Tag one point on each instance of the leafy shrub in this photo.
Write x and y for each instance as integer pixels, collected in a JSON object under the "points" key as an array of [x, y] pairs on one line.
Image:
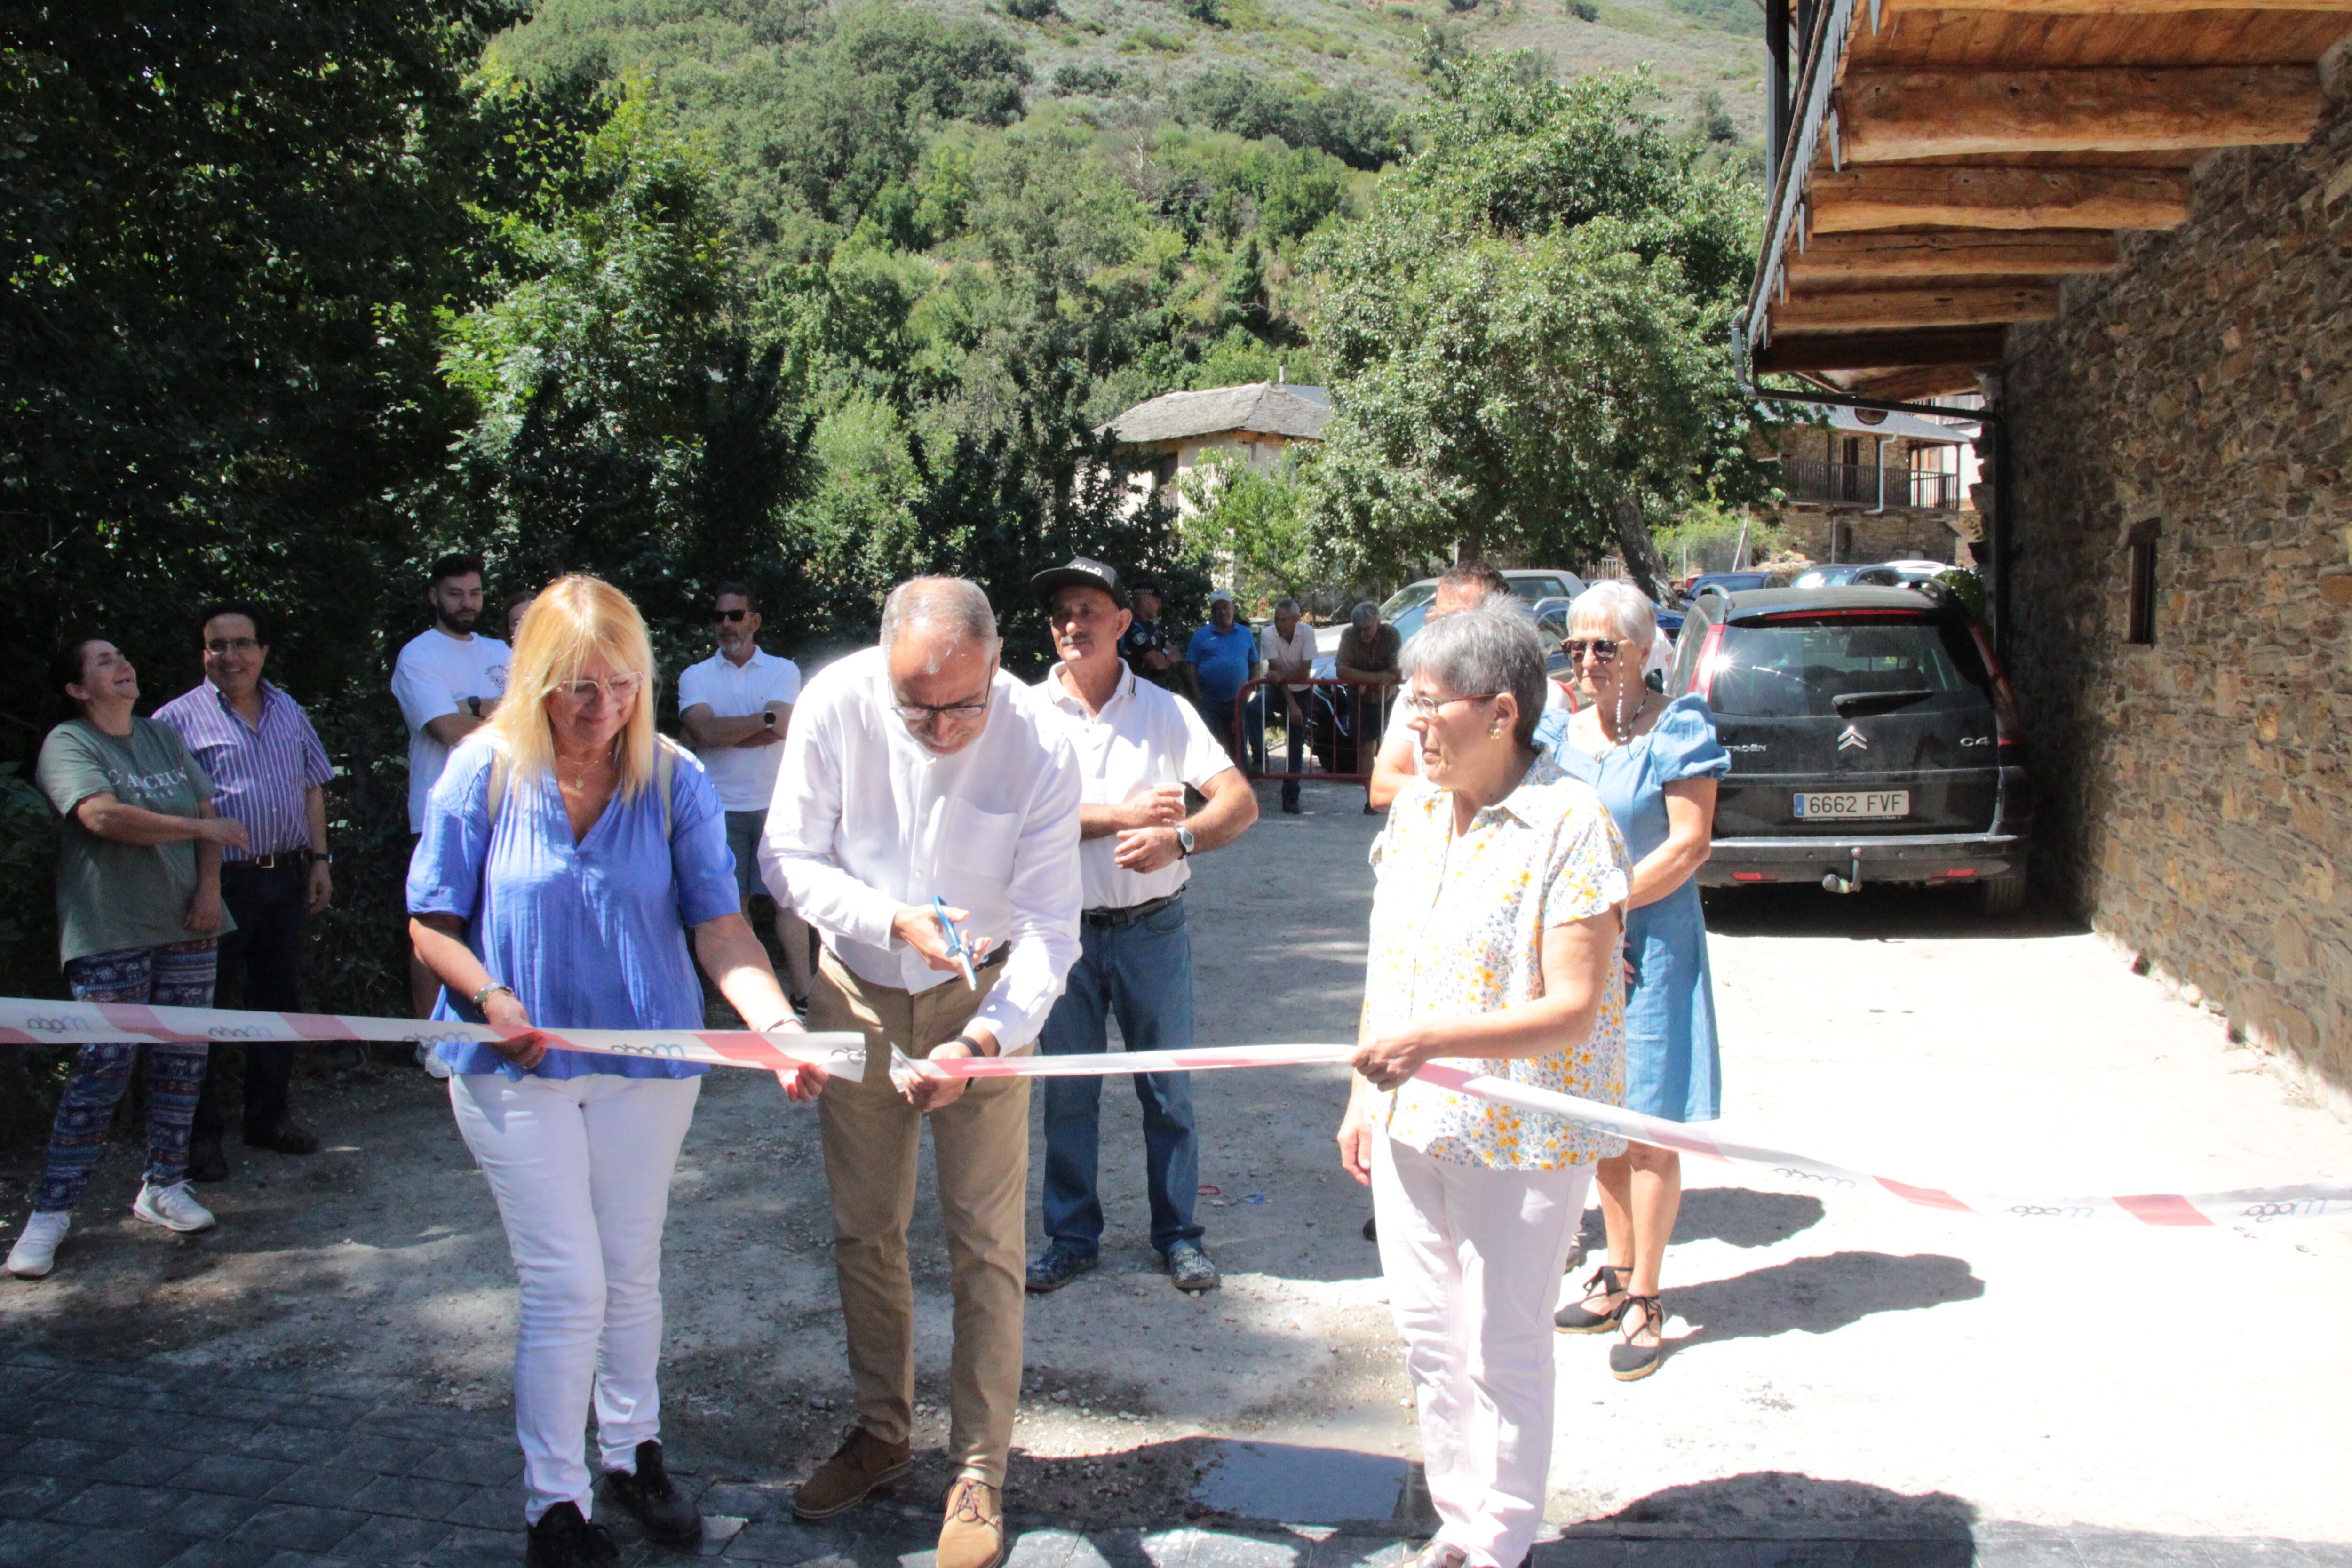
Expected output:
{"points": [[1345, 123], [1032, 10], [1091, 81], [1584, 10]]}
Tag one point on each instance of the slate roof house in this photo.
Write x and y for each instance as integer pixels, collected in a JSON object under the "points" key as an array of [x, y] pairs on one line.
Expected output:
{"points": [[2127, 224], [1253, 422]]}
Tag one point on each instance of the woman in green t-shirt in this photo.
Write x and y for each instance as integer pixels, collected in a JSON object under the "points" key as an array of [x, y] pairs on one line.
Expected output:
{"points": [[138, 907]]}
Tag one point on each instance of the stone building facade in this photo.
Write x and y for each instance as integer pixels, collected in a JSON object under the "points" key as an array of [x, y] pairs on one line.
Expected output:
{"points": [[2190, 416]]}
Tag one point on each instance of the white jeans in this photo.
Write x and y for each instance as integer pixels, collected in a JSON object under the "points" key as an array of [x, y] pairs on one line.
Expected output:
{"points": [[581, 1170], [1473, 1259]]}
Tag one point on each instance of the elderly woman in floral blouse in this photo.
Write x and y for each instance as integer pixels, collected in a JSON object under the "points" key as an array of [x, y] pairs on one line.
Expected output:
{"points": [[1494, 939]]}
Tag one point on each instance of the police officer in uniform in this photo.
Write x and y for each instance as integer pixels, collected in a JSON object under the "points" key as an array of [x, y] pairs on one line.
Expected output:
{"points": [[1145, 646]]}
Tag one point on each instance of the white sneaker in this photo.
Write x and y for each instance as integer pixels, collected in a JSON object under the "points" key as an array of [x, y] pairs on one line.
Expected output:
{"points": [[433, 1066], [173, 1207], [36, 1251]]}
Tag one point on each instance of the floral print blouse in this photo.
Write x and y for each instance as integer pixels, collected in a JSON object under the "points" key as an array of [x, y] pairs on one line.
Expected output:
{"points": [[1458, 927]]}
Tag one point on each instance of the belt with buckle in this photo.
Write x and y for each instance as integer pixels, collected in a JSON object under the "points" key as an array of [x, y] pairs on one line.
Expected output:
{"points": [[285, 860], [1129, 914]]}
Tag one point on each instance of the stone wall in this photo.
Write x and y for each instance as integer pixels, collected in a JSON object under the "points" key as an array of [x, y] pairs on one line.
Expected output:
{"points": [[1899, 534], [2194, 792]]}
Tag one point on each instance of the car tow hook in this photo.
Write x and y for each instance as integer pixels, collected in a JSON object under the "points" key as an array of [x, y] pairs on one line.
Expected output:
{"points": [[1837, 884]]}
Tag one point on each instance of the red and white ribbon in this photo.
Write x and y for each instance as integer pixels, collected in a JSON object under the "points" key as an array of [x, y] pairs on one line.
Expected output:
{"points": [[68, 1023]]}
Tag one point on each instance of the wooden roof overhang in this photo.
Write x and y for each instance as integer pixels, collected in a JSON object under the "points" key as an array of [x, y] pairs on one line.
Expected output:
{"points": [[1939, 166]]}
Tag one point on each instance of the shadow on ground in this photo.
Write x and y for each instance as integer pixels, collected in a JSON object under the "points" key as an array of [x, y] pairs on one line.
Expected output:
{"points": [[1876, 914], [1818, 1295]]}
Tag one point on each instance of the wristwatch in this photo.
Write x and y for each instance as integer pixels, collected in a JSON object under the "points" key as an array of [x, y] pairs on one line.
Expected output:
{"points": [[492, 989], [1184, 841], [768, 717], [474, 706]]}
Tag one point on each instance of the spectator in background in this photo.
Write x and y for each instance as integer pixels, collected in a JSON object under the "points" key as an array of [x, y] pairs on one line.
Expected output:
{"points": [[1138, 748], [269, 772], [1219, 661], [1288, 649], [735, 708], [523, 929], [516, 605], [1146, 647], [1367, 659], [139, 905], [1655, 762], [447, 680]]}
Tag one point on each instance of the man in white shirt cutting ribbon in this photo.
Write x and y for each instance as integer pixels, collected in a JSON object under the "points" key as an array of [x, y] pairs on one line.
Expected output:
{"points": [[1138, 749], [920, 781]]}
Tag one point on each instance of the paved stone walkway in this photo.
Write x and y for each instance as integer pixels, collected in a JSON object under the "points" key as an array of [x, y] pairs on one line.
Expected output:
{"points": [[135, 1466]]}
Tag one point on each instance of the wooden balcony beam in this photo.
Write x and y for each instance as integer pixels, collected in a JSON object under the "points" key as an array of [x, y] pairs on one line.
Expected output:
{"points": [[1993, 196], [1792, 352], [1861, 309], [2114, 7], [1953, 253], [1888, 115]]}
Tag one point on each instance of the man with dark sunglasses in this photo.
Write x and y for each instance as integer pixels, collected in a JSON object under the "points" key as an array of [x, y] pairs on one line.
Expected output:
{"points": [[735, 707]]}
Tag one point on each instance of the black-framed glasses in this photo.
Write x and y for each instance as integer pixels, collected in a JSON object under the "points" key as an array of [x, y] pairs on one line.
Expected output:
{"points": [[718, 615], [233, 645], [924, 712], [1603, 650]]}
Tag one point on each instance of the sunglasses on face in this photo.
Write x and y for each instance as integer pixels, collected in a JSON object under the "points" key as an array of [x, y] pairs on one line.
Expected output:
{"points": [[1603, 650], [619, 688], [718, 615]]}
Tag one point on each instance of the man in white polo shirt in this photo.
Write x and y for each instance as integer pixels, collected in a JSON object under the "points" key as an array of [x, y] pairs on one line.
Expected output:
{"points": [[735, 707], [1138, 747]]}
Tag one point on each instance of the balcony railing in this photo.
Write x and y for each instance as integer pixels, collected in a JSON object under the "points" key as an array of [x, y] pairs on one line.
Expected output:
{"points": [[1813, 479]]}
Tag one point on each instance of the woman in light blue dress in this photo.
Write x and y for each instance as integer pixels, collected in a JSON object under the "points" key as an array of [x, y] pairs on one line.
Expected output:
{"points": [[1654, 761]]}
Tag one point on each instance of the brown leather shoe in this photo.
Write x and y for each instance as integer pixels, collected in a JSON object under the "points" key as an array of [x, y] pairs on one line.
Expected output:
{"points": [[856, 1467], [973, 1533]]}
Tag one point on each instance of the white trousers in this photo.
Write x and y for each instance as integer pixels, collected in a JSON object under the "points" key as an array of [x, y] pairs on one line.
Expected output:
{"points": [[581, 1170], [1473, 1259]]}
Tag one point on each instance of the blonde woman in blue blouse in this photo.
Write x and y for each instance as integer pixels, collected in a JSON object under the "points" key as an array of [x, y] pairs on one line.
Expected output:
{"points": [[1495, 939]]}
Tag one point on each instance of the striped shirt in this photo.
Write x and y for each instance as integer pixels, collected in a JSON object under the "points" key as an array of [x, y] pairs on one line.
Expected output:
{"points": [[262, 777]]}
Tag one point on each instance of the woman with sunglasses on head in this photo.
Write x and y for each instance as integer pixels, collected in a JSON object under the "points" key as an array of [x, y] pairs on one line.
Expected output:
{"points": [[1655, 762], [567, 851]]}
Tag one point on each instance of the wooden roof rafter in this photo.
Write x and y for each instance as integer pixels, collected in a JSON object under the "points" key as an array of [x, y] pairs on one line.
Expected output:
{"points": [[1940, 166]]}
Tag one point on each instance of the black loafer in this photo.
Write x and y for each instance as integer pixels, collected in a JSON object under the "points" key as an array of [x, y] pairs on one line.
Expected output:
{"points": [[1057, 1266], [206, 1161], [653, 1500], [561, 1538], [284, 1136]]}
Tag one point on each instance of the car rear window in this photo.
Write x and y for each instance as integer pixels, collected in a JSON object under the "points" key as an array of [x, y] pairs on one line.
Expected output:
{"points": [[1798, 668]]}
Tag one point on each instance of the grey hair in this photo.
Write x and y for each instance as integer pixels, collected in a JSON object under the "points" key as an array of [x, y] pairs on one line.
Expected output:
{"points": [[953, 609], [1493, 646], [1282, 604], [1365, 610], [1625, 608]]}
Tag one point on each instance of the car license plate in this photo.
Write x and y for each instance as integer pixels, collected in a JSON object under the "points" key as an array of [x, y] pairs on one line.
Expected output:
{"points": [[1856, 804]]}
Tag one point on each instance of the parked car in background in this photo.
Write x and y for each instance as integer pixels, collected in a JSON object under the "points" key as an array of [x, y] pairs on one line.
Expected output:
{"points": [[1732, 582], [1872, 739], [1407, 607], [1825, 576]]}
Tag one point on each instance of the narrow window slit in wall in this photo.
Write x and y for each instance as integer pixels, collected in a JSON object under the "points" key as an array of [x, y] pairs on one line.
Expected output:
{"points": [[2139, 611]]}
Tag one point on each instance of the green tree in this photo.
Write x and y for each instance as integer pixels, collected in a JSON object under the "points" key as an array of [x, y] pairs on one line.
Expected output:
{"points": [[1252, 526], [1525, 335]]}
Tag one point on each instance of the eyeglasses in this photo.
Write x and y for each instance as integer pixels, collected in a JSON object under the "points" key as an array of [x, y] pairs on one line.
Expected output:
{"points": [[619, 688], [921, 713], [1603, 650], [232, 645], [718, 615], [1417, 706]]}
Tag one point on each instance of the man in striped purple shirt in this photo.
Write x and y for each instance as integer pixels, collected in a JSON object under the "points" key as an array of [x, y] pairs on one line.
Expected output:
{"points": [[269, 773]]}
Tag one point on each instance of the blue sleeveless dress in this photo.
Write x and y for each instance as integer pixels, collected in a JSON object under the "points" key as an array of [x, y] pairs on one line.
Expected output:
{"points": [[1672, 1067]]}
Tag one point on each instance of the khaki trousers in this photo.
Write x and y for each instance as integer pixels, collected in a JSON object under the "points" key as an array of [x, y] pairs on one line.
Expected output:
{"points": [[980, 1148]]}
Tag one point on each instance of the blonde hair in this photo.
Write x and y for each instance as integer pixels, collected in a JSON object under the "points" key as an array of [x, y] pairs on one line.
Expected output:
{"points": [[573, 620]]}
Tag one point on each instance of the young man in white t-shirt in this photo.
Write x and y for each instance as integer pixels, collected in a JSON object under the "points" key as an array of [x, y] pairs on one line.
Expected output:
{"points": [[448, 681], [735, 707]]}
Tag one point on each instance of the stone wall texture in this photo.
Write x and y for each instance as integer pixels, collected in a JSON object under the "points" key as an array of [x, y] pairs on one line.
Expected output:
{"points": [[2195, 802]]}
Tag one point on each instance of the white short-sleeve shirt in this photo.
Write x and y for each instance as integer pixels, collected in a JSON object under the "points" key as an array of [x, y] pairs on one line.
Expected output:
{"points": [[434, 675], [746, 775], [1297, 652], [1143, 735]]}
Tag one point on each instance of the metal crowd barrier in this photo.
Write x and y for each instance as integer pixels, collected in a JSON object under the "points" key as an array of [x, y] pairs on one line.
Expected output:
{"points": [[1337, 730]]}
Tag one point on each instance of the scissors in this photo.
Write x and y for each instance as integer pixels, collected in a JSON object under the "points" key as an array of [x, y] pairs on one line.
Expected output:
{"points": [[957, 948]]}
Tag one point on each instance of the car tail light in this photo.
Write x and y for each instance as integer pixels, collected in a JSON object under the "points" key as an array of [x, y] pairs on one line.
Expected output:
{"points": [[1703, 672], [2005, 727], [1958, 872], [1756, 876]]}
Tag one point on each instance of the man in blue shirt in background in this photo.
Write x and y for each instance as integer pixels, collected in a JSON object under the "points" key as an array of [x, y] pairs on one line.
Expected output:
{"points": [[1219, 660]]}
